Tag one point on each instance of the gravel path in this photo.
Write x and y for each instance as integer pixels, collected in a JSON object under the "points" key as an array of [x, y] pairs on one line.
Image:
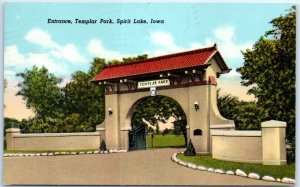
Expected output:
{"points": [[150, 167]]}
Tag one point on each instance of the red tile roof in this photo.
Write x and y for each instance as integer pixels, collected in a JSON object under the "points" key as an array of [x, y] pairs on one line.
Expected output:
{"points": [[158, 64]]}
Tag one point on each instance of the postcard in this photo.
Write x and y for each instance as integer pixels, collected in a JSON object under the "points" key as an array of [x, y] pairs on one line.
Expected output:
{"points": [[149, 93]]}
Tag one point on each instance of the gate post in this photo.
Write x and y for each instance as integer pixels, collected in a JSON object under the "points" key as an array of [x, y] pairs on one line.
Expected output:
{"points": [[10, 137], [273, 142], [112, 121]]}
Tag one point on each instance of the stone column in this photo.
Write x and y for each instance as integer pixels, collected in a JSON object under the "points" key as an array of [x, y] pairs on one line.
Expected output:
{"points": [[112, 121], [273, 142], [10, 134]]}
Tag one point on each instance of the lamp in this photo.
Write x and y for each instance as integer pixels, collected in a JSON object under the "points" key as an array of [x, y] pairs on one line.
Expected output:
{"points": [[110, 111], [196, 105]]}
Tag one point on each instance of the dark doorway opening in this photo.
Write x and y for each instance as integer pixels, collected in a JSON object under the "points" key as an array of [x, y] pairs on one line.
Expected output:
{"points": [[137, 138]]}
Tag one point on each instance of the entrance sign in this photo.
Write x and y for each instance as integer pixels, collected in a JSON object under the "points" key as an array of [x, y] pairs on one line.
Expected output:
{"points": [[154, 83]]}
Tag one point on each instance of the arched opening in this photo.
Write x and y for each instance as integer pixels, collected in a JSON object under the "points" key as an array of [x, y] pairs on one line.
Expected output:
{"points": [[157, 122]]}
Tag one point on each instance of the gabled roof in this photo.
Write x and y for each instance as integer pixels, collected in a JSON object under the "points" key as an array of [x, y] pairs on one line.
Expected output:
{"points": [[182, 60]]}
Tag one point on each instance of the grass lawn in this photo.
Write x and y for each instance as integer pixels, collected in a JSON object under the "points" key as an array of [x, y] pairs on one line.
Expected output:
{"points": [[46, 151], [167, 140], [262, 170]]}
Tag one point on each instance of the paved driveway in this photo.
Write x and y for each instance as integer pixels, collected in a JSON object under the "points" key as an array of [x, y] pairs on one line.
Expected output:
{"points": [[150, 167]]}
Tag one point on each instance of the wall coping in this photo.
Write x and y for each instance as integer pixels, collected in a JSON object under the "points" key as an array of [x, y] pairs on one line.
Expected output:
{"points": [[222, 126], [13, 130], [273, 124], [59, 134], [235, 133], [100, 128]]}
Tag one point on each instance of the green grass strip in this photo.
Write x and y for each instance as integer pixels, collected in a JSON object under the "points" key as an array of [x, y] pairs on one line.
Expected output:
{"points": [[168, 140], [262, 170]]}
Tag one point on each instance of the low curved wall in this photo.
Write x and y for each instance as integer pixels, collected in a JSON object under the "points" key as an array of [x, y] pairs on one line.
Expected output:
{"points": [[238, 146]]}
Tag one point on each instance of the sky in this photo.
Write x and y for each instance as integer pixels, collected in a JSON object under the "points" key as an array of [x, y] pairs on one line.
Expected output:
{"points": [[65, 48]]}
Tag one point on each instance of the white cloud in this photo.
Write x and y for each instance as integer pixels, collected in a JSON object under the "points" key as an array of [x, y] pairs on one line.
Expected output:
{"points": [[96, 48], [224, 33], [41, 38], [12, 56], [232, 74], [164, 43], [43, 59], [165, 40], [70, 53], [227, 46], [196, 46], [67, 52]]}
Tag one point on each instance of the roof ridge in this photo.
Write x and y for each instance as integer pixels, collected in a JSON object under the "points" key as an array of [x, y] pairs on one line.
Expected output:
{"points": [[165, 56]]}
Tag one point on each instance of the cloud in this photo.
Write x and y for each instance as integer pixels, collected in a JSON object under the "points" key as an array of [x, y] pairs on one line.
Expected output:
{"points": [[164, 39], [43, 59], [13, 57], [68, 52], [196, 46], [231, 74], [224, 33], [165, 43], [18, 61], [96, 48], [41, 38], [227, 46]]}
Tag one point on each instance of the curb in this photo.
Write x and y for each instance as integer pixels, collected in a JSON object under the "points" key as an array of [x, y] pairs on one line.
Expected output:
{"points": [[61, 153], [238, 172]]}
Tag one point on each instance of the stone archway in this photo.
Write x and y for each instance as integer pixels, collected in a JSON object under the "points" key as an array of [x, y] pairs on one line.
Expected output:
{"points": [[136, 131], [190, 78]]}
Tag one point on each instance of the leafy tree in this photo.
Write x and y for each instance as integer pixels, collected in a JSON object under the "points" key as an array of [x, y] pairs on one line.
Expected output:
{"points": [[40, 90], [246, 115], [165, 131], [85, 98], [269, 68], [10, 123]]}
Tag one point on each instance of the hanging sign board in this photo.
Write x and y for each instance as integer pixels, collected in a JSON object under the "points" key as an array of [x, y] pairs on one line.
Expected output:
{"points": [[154, 83]]}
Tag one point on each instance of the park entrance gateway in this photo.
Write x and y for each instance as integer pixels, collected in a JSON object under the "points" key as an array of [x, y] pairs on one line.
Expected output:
{"points": [[189, 77]]}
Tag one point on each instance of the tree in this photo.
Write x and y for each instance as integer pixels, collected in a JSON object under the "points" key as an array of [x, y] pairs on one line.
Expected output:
{"points": [[269, 68], [40, 90], [159, 109], [85, 98], [246, 115]]}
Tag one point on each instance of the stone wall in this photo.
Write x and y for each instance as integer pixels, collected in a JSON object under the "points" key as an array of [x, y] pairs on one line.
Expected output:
{"points": [[51, 141], [266, 146]]}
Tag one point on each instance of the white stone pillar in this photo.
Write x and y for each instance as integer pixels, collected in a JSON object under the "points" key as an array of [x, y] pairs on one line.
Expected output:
{"points": [[10, 134], [273, 142]]}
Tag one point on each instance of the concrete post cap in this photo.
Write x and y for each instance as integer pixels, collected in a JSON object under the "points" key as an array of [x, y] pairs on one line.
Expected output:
{"points": [[273, 123], [13, 130]]}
